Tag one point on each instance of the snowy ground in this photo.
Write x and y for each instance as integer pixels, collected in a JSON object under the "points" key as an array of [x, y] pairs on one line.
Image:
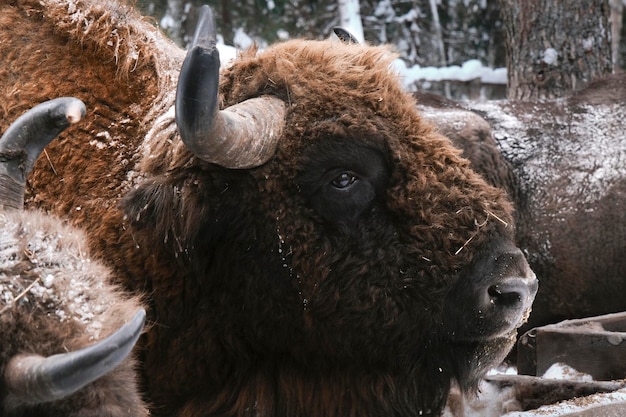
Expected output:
{"points": [[494, 402]]}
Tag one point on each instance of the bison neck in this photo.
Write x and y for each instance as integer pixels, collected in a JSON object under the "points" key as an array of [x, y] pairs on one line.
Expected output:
{"points": [[278, 389]]}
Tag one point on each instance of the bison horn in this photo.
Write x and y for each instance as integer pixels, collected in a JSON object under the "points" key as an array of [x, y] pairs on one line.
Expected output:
{"points": [[345, 36], [26, 138], [244, 135], [32, 379]]}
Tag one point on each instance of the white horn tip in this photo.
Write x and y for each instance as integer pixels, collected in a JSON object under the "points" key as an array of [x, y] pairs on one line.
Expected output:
{"points": [[75, 111]]}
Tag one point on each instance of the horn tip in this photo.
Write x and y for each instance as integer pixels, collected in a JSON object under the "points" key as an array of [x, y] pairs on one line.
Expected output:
{"points": [[75, 111]]}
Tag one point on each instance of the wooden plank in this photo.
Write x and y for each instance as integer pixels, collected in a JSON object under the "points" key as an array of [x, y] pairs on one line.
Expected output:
{"points": [[533, 392], [611, 404], [595, 346]]}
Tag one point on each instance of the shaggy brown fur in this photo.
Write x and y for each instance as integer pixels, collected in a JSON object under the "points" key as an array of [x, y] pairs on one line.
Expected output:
{"points": [[57, 306], [54, 299], [472, 134], [102, 53], [260, 306]]}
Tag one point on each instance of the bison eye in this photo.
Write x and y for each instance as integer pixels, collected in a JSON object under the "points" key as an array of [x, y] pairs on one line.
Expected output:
{"points": [[344, 180]]}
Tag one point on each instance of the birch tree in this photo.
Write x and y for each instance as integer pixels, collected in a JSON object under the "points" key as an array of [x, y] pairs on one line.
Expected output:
{"points": [[172, 21], [350, 18], [438, 33], [617, 16]]}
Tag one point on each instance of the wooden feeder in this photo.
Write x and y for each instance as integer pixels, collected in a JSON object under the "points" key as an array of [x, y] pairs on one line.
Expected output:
{"points": [[595, 346]]}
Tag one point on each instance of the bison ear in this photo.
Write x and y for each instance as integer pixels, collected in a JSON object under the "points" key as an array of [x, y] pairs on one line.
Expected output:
{"points": [[149, 210], [344, 35], [158, 210], [149, 204]]}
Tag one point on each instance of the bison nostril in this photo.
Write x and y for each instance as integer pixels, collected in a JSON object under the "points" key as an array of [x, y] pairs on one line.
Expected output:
{"points": [[508, 294]]}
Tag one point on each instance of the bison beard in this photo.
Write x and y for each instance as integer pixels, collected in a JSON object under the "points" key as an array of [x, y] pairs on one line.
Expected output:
{"points": [[320, 282]]}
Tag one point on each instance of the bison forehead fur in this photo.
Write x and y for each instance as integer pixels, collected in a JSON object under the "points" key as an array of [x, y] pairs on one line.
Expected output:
{"points": [[349, 98], [329, 269]]}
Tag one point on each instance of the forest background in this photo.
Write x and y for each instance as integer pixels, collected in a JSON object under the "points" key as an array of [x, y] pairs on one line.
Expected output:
{"points": [[436, 34]]}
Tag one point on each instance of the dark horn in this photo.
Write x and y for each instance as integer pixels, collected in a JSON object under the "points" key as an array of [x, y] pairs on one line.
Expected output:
{"points": [[244, 135], [25, 139], [32, 379], [344, 35]]}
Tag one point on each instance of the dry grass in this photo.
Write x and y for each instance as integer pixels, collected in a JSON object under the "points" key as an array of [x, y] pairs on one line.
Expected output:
{"points": [[478, 227]]}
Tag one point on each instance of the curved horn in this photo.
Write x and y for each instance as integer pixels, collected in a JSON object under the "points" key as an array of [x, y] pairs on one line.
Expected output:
{"points": [[34, 379], [345, 36], [26, 138], [244, 135]]}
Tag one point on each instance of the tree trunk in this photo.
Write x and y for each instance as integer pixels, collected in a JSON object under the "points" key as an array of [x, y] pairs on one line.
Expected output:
{"points": [[172, 22], [617, 13], [439, 44], [555, 46], [350, 18]]}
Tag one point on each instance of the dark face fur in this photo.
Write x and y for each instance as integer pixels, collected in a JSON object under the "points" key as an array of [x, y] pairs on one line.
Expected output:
{"points": [[371, 271]]}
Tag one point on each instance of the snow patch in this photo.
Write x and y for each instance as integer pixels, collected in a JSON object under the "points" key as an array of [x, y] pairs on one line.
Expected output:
{"points": [[227, 53], [468, 71], [563, 371], [242, 40], [588, 44], [492, 401], [550, 56], [577, 405]]}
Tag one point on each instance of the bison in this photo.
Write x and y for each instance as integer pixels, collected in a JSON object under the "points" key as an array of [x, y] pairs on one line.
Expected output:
{"points": [[59, 318], [308, 245], [563, 163]]}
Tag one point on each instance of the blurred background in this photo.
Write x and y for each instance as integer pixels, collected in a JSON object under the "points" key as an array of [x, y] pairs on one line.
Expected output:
{"points": [[444, 42]]}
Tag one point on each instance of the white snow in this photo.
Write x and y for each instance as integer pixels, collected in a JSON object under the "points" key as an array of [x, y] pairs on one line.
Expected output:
{"points": [[469, 70], [242, 40], [563, 371], [494, 402], [577, 405], [282, 34], [550, 56], [60, 278], [588, 43], [227, 53], [167, 22]]}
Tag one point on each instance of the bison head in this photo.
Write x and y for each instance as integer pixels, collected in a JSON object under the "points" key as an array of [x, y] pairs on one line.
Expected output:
{"points": [[322, 247]]}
